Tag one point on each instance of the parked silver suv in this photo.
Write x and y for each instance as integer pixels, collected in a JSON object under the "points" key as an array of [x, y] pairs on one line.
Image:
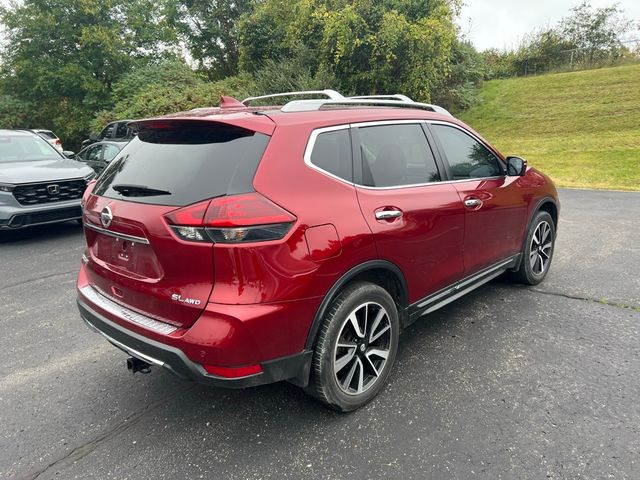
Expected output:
{"points": [[38, 184]]}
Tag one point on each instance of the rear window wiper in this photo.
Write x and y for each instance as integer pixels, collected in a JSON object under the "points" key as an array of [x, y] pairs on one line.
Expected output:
{"points": [[138, 190]]}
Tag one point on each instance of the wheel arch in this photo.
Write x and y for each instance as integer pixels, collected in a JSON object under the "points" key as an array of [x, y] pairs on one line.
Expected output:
{"points": [[381, 272], [546, 204]]}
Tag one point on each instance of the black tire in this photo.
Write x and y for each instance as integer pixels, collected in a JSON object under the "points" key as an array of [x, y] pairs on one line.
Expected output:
{"points": [[537, 253], [351, 386]]}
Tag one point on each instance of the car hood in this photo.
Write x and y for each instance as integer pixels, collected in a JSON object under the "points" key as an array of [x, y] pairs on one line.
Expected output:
{"points": [[42, 171]]}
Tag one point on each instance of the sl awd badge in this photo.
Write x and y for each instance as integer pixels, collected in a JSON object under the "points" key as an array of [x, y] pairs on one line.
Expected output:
{"points": [[191, 301]]}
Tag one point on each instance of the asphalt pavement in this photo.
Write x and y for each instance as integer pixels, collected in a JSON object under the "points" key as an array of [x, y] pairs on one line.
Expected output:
{"points": [[509, 382]]}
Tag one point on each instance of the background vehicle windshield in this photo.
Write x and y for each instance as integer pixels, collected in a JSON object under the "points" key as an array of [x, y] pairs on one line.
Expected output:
{"points": [[25, 148], [46, 134]]}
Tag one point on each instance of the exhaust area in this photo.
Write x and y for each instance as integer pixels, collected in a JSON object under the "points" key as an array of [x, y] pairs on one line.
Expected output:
{"points": [[136, 365]]}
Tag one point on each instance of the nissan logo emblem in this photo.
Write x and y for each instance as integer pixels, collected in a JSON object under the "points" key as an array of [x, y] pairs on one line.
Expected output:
{"points": [[106, 217]]}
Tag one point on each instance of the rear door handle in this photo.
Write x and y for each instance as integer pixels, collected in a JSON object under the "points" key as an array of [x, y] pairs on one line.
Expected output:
{"points": [[472, 203], [387, 214]]}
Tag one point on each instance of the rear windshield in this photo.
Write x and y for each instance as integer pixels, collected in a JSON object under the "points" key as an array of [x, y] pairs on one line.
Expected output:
{"points": [[25, 148], [47, 134], [184, 163]]}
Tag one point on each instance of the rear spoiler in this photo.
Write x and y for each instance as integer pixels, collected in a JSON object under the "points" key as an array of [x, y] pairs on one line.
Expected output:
{"points": [[255, 123]]}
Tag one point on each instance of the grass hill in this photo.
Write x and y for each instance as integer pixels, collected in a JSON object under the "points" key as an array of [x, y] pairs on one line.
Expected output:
{"points": [[581, 128]]}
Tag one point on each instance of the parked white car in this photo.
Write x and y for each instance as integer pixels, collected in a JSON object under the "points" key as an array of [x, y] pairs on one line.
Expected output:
{"points": [[50, 137]]}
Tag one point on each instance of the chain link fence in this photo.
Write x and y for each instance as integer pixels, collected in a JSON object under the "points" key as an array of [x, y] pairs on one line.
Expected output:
{"points": [[578, 59]]}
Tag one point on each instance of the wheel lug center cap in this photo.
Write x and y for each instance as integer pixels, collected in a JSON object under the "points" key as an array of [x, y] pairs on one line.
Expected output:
{"points": [[363, 347]]}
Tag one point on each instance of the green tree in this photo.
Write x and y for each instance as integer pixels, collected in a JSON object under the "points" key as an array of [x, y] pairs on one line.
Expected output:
{"points": [[167, 87], [368, 46], [208, 28], [597, 31], [63, 56], [14, 113], [467, 72]]}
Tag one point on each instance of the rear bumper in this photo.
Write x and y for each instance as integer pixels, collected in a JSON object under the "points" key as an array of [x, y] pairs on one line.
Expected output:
{"points": [[294, 368]]}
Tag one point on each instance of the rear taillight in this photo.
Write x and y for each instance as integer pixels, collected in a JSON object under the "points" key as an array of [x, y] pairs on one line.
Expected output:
{"points": [[58, 142], [242, 218]]}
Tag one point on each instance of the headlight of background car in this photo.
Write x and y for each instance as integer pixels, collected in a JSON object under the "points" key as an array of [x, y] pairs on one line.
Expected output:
{"points": [[6, 187]]}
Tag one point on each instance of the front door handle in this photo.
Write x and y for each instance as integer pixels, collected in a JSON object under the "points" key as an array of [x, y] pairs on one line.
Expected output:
{"points": [[387, 214], [472, 202]]}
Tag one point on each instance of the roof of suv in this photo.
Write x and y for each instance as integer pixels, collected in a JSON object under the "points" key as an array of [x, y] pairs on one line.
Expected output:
{"points": [[314, 112], [264, 119]]}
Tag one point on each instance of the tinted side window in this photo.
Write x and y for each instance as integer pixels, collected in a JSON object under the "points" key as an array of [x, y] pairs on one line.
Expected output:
{"points": [[93, 153], [110, 151], [394, 155], [106, 132], [467, 157], [122, 130], [81, 156], [332, 153]]}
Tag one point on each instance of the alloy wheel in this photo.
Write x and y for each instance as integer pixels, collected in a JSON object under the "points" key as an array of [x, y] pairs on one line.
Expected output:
{"points": [[362, 349], [541, 246]]}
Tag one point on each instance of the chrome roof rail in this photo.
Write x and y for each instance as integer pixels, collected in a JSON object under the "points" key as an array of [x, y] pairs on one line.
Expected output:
{"points": [[396, 96], [317, 104], [330, 94], [333, 98]]}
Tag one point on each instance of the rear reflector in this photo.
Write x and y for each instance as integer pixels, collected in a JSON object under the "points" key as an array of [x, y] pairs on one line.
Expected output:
{"points": [[233, 372]]}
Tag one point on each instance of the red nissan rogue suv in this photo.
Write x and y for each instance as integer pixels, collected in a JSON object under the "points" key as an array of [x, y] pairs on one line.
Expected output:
{"points": [[242, 245]]}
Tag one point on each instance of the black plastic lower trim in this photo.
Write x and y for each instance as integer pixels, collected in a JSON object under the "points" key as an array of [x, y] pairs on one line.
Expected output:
{"points": [[46, 216], [294, 367], [462, 287]]}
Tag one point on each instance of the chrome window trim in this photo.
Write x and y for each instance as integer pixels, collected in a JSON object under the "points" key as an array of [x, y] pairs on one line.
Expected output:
{"points": [[378, 123], [444, 182], [122, 236], [311, 143]]}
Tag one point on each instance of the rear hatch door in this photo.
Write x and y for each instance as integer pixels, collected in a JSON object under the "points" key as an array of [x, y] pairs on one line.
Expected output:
{"points": [[134, 256]]}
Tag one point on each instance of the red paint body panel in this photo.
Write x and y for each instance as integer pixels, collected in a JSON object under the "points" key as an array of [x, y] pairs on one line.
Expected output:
{"points": [[147, 275], [323, 242], [504, 208], [258, 300], [426, 241], [232, 335]]}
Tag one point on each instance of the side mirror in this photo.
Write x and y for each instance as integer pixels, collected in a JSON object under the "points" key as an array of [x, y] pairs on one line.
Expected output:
{"points": [[516, 166], [69, 154]]}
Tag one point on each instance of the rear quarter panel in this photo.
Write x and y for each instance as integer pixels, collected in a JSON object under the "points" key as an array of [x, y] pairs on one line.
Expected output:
{"points": [[290, 270]]}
